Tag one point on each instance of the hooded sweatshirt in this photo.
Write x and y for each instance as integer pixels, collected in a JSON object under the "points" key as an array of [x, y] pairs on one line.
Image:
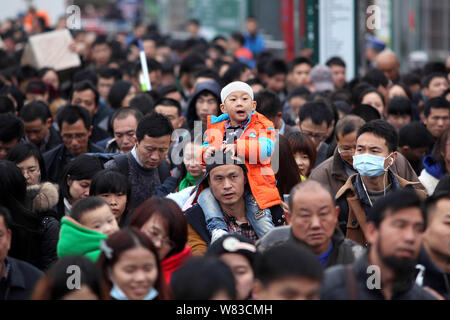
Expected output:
{"points": [[76, 239]]}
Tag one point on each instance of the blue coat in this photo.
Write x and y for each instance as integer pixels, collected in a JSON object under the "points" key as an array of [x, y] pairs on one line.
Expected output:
{"points": [[20, 282]]}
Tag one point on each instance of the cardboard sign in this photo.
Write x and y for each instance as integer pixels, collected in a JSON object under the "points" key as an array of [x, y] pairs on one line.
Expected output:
{"points": [[50, 49]]}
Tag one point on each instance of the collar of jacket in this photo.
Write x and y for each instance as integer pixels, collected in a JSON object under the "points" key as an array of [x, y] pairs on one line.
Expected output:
{"points": [[361, 266], [337, 238], [338, 168], [433, 274], [14, 276], [225, 116]]}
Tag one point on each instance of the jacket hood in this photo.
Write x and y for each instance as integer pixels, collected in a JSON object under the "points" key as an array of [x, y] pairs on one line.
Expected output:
{"points": [[75, 239], [208, 86], [45, 196], [433, 167]]}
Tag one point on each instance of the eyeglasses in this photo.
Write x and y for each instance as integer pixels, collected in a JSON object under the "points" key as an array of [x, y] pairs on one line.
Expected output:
{"points": [[77, 136], [312, 135], [155, 236], [346, 150]]}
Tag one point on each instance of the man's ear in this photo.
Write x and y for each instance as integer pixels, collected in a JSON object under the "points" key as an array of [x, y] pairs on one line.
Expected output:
{"points": [[371, 233], [180, 121], [258, 288], [423, 118], [254, 105], [222, 108], [48, 122]]}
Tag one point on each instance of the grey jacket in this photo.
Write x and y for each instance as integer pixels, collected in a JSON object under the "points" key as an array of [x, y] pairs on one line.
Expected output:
{"points": [[344, 251]]}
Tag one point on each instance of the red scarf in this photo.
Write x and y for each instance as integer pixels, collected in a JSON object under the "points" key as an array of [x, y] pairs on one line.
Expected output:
{"points": [[173, 262]]}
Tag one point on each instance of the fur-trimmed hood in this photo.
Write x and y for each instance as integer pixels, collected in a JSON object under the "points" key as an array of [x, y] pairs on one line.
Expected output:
{"points": [[44, 196]]}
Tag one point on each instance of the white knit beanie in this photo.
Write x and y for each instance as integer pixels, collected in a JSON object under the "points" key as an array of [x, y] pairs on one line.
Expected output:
{"points": [[233, 87]]}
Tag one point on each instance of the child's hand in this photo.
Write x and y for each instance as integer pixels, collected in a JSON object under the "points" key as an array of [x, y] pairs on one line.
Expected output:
{"points": [[209, 152], [229, 148]]}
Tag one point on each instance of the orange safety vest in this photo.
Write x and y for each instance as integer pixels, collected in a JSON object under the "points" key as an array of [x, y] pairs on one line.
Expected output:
{"points": [[253, 145]]}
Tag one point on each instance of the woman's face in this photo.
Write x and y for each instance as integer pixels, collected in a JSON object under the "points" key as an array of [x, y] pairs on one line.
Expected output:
{"points": [[157, 231], [135, 273], [193, 166], [374, 100], [117, 202], [242, 272], [397, 91], [78, 189], [303, 162], [51, 77], [30, 170], [130, 95]]}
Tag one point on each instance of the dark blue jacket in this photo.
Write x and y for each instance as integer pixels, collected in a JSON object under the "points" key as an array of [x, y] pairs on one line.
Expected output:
{"points": [[56, 159], [336, 284], [20, 282], [434, 277]]}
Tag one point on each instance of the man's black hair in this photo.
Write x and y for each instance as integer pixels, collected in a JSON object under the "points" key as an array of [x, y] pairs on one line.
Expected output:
{"points": [[201, 278], [431, 76], [6, 105], [411, 79], [282, 262], [143, 102], [435, 103], [152, 65], [107, 73], [4, 212], [101, 39], [317, 111], [35, 110], [238, 37], [207, 73], [254, 81], [36, 85], [301, 92], [234, 72], [275, 66], [376, 78], [299, 60], [168, 102], [86, 204], [445, 93], [335, 61], [194, 21], [191, 63], [400, 106], [166, 89], [154, 125], [415, 135], [434, 67], [123, 113], [81, 75], [442, 189], [382, 129], [73, 113], [268, 103], [393, 202], [11, 128]]}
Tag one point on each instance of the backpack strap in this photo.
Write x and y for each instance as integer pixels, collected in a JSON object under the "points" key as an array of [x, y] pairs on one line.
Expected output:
{"points": [[352, 285], [122, 163]]}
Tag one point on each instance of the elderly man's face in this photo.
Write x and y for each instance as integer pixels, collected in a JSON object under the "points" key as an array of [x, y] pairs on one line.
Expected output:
{"points": [[313, 218], [227, 183]]}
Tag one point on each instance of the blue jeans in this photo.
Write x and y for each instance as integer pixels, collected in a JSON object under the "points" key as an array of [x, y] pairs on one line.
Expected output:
{"points": [[260, 220]]}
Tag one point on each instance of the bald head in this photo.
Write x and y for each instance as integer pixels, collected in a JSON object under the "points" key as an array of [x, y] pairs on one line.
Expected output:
{"points": [[310, 186], [387, 62]]}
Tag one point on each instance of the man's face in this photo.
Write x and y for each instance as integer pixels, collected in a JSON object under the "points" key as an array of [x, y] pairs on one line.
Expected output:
{"points": [[152, 151], [398, 121], [296, 103], [313, 218], [171, 113], [437, 121], [338, 73], [75, 137], [101, 54], [317, 133], [277, 82], [437, 235], [413, 155], [238, 105], [206, 105], [227, 183], [252, 26], [149, 48], [436, 87], [5, 240], [300, 75], [6, 146], [347, 146], [289, 288], [125, 133], [389, 68], [86, 99], [398, 238], [374, 145], [36, 130], [104, 85]]}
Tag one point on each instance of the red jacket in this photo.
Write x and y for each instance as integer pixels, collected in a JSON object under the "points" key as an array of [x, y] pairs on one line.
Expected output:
{"points": [[255, 145]]}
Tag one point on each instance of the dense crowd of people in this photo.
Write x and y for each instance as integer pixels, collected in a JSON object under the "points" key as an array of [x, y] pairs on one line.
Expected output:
{"points": [[238, 176]]}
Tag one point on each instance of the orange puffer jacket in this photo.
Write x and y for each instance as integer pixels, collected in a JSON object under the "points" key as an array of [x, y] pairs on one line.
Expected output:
{"points": [[255, 145]]}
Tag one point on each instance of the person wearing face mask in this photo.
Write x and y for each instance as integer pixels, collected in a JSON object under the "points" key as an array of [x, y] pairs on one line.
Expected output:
{"points": [[130, 267], [376, 142]]}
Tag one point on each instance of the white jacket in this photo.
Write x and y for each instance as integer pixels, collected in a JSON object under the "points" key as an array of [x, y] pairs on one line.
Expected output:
{"points": [[428, 181]]}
